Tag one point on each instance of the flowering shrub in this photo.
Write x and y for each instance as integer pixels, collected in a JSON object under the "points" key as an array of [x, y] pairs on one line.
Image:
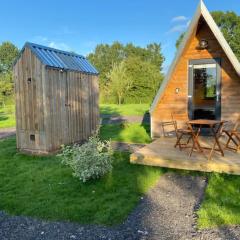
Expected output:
{"points": [[91, 160]]}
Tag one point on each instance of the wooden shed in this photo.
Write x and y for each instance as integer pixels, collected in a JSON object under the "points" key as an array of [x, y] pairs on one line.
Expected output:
{"points": [[56, 99], [203, 80]]}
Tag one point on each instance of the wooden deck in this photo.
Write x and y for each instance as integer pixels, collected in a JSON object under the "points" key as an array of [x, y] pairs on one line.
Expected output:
{"points": [[162, 153]]}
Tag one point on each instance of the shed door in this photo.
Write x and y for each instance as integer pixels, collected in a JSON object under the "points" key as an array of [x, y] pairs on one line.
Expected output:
{"points": [[204, 89], [73, 105]]}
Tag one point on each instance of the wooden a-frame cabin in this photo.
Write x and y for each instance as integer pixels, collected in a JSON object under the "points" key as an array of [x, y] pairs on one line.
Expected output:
{"points": [[202, 82], [204, 78]]}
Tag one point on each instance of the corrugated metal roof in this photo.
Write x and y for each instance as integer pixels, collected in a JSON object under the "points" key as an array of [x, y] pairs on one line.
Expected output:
{"points": [[61, 59]]}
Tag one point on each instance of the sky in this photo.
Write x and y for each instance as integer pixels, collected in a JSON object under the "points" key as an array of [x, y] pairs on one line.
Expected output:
{"points": [[80, 25]]}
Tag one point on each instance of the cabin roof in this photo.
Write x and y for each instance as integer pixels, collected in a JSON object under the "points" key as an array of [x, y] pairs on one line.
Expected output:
{"points": [[61, 59], [202, 11]]}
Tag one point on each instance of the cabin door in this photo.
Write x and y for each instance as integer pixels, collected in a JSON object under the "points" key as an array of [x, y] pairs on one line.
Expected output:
{"points": [[204, 96]]}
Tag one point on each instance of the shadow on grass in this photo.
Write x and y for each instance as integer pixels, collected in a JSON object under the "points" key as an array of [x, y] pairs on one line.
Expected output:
{"points": [[3, 117], [106, 111], [146, 118], [44, 188]]}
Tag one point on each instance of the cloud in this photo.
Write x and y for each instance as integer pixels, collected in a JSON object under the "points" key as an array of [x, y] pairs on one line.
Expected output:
{"points": [[51, 43], [181, 23], [59, 45], [179, 19], [178, 28]]}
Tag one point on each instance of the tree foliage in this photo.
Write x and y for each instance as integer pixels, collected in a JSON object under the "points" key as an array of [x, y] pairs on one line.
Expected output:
{"points": [[8, 53], [133, 80], [6, 86], [119, 82], [145, 78], [229, 24], [179, 40], [106, 57]]}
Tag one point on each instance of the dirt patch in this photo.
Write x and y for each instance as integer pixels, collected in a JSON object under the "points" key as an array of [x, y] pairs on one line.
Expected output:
{"points": [[6, 132]]}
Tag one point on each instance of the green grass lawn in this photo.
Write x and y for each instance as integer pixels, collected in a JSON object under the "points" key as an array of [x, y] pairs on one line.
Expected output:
{"points": [[7, 117], [124, 109], [7, 114], [221, 205], [42, 187], [132, 133]]}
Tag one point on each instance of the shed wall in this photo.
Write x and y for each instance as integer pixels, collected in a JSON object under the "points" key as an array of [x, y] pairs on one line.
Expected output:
{"points": [[170, 101], [29, 76], [72, 113], [57, 107]]}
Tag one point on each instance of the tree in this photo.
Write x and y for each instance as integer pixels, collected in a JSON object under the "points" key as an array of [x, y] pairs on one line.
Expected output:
{"points": [[229, 24], [8, 53], [145, 79], [179, 40], [152, 53], [106, 56], [6, 86], [119, 82]]}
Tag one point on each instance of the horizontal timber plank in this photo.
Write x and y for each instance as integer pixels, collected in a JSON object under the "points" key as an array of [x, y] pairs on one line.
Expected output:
{"points": [[163, 154]]}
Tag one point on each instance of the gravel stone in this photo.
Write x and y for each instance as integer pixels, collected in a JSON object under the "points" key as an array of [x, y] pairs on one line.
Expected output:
{"points": [[129, 147], [7, 132], [166, 212], [114, 119]]}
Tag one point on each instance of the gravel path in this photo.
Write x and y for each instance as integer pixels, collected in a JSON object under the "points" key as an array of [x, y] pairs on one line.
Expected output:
{"points": [[111, 119], [166, 212], [6, 132], [130, 147]]}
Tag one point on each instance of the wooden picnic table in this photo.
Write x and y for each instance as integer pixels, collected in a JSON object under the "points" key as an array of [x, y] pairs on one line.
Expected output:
{"points": [[215, 127]]}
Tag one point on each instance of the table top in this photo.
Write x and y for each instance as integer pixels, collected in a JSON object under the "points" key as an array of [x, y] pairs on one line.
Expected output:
{"points": [[205, 122]]}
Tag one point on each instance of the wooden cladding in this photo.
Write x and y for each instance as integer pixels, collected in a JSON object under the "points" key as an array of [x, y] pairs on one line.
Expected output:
{"points": [[230, 81], [56, 107]]}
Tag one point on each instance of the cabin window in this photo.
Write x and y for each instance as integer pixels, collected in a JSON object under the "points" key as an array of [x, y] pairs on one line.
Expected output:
{"points": [[205, 78], [32, 137]]}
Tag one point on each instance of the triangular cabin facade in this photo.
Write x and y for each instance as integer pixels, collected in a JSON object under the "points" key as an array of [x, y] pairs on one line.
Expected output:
{"points": [[203, 80], [56, 99]]}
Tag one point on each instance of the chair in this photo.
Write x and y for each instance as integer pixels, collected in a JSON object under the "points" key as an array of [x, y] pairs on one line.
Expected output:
{"points": [[166, 124], [219, 134], [233, 136], [181, 132]]}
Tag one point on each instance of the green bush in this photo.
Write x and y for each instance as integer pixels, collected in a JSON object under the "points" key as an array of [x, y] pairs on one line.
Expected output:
{"points": [[91, 160]]}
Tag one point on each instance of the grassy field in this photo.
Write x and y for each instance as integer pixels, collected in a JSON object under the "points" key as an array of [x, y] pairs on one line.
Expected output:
{"points": [[7, 114], [42, 187], [7, 117], [132, 133], [124, 109], [221, 205]]}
